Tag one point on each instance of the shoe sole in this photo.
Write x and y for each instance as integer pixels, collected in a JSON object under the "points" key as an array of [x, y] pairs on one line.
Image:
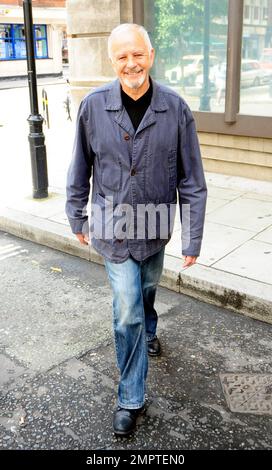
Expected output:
{"points": [[123, 433], [154, 354]]}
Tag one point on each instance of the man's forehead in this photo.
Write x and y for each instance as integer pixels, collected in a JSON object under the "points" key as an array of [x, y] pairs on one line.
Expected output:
{"points": [[128, 40]]}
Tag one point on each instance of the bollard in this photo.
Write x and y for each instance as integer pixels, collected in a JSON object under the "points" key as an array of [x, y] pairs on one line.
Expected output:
{"points": [[45, 108], [35, 120], [67, 105]]}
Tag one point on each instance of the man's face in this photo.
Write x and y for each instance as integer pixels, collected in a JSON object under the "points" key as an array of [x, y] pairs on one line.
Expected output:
{"points": [[131, 59]]}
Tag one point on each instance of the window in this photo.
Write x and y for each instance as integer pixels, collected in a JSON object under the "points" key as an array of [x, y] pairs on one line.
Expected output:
{"points": [[256, 13], [12, 42], [200, 46], [6, 44], [256, 70], [247, 12], [186, 59], [265, 13], [40, 41]]}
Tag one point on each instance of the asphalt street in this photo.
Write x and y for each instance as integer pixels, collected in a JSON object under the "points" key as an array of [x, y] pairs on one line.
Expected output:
{"points": [[58, 375]]}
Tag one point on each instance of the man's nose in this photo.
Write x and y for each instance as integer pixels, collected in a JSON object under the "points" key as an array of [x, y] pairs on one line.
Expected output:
{"points": [[131, 62]]}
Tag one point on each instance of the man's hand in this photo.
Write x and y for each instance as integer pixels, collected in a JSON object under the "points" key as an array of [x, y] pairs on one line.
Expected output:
{"points": [[83, 238], [189, 261]]}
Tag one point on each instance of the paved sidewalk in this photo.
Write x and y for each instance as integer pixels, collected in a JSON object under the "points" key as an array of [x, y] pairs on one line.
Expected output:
{"points": [[235, 266]]}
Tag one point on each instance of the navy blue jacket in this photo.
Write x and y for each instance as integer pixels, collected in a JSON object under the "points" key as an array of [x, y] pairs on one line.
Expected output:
{"points": [[150, 166]]}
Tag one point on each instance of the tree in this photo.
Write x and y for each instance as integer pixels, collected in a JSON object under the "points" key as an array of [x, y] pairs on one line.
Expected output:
{"points": [[179, 24]]}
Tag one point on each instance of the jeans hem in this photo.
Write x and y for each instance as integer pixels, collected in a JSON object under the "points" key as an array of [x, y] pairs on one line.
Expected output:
{"points": [[131, 407]]}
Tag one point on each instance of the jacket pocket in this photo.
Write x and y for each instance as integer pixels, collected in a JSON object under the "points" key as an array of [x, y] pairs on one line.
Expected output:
{"points": [[111, 177], [161, 176], [108, 221], [102, 217]]}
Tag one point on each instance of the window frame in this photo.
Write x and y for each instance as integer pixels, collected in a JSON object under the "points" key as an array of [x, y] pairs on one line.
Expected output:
{"points": [[229, 122], [14, 40]]}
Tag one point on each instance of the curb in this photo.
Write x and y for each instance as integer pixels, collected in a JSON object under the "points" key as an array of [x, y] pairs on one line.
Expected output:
{"points": [[241, 295]]}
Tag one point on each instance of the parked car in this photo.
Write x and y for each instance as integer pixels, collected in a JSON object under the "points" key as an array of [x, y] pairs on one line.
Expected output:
{"points": [[192, 66], [266, 58], [252, 74]]}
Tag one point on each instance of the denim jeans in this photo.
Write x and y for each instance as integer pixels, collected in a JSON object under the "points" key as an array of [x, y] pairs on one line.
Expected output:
{"points": [[135, 320]]}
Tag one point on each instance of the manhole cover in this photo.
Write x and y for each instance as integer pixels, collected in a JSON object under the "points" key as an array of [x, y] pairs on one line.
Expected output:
{"points": [[248, 393]]}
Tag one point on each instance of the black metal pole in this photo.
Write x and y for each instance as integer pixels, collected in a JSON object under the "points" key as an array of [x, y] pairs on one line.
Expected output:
{"points": [[205, 95], [35, 120]]}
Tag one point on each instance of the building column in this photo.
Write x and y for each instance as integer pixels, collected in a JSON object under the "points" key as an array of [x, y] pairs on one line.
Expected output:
{"points": [[89, 24]]}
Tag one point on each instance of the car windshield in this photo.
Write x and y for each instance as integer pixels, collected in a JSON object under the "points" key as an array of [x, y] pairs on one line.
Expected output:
{"points": [[188, 61]]}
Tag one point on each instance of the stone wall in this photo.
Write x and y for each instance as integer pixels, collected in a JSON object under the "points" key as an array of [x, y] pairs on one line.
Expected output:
{"points": [[249, 157], [89, 25]]}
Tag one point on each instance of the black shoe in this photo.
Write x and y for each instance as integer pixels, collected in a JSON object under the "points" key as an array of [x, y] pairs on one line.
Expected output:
{"points": [[124, 420], [154, 347]]}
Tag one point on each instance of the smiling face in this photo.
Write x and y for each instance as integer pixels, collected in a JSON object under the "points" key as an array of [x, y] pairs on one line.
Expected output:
{"points": [[132, 59]]}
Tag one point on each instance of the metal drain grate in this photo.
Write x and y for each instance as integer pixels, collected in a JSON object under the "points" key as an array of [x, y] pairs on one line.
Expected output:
{"points": [[248, 393]]}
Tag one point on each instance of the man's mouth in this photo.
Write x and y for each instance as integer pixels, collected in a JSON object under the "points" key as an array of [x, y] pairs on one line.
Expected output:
{"points": [[133, 74]]}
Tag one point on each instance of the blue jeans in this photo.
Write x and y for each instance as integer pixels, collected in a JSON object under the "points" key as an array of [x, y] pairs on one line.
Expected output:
{"points": [[135, 320]]}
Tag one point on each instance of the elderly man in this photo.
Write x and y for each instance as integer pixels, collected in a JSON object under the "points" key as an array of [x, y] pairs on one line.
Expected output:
{"points": [[137, 139]]}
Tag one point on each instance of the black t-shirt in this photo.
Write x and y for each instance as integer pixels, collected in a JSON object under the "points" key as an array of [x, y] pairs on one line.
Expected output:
{"points": [[136, 108]]}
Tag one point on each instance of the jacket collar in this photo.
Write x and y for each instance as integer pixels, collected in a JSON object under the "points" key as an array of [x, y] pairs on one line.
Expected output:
{"points": [[114, 100]]}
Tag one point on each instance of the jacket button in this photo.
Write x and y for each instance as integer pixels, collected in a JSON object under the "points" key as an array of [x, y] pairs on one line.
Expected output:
{"points": [[126, 137], [133, 172]]}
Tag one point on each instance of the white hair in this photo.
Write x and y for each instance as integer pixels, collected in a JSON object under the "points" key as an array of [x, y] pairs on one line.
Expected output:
{"points": [[129, 27]]}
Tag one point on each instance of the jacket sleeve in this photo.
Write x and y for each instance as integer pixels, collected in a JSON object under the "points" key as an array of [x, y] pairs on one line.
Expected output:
{"points": [[191, 184], [79, 173]]}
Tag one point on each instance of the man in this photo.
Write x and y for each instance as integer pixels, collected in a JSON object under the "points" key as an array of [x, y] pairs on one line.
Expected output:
{"points": [[138, 140]]}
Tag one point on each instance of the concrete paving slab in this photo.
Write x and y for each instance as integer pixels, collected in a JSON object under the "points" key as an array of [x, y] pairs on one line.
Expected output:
{"points": [[252, 260], [214, 203], [218, 241], [258, 196], [61, 218], [224, 193], [43, 208], [244, 213], [239, 183], [265, 236]]}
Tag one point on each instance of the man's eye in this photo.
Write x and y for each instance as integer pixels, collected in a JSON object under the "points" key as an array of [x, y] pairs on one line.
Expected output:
{"points": [[121, 58]]}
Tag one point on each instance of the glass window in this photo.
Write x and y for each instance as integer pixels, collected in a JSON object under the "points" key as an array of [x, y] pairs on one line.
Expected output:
{"points": [[19, 41], [6, 50], [40, 41], [180, 35], [256, 67], [256, 13], [247, 11], [12, 41]]}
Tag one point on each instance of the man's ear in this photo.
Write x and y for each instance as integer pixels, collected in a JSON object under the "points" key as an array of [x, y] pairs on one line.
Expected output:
{"points": [[152, 56]]}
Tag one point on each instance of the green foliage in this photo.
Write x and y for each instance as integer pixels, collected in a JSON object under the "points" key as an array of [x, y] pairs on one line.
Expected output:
{"points": [[177, 22]]}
